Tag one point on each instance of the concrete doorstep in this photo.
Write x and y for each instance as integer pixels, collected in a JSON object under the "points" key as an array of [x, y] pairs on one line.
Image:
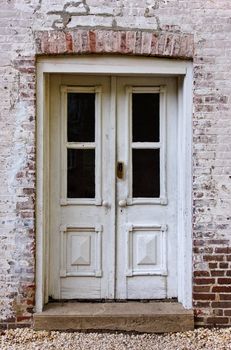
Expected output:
{"points": [[152, 317]]}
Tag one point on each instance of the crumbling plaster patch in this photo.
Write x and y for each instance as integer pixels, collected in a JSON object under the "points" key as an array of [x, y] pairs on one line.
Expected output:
{"points": [[101, 13]]}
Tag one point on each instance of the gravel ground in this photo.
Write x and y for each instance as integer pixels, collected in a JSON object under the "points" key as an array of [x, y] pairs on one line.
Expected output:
{"points": [[27, 339]]}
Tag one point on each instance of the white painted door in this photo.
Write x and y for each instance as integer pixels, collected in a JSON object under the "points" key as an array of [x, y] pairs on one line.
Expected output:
{"points": [[82, 156], [146, 199], [113, 203]]}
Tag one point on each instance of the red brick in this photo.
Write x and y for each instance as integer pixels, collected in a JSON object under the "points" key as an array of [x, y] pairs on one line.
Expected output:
{"points": [[69, 42], [203, 250], [202, 296], [218, 241], [213, 265], [221, 289], [22, 319], [198, 243], [221, 305], [92, 41], [225, 297], [201, 289], [225, 250], [201, 274], [223, 265], [216, 273], [218, 312], [227, 312], [204, 281], [224, 280], [96, 41], [213, 257], [217, 320]]}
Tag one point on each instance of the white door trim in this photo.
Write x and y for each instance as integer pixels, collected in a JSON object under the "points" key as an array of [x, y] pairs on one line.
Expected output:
{"points": [[118, 66]]}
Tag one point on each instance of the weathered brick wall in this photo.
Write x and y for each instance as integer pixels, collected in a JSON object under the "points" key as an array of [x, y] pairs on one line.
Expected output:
{"points": [[210, 23]]}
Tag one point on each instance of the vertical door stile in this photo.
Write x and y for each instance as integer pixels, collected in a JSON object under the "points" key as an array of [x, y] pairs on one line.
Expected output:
{"points": [[129, 133], [112, 137], [163, 141], [98, 145], [63, 144], [122, 146], [56, 113], [46, 170]]}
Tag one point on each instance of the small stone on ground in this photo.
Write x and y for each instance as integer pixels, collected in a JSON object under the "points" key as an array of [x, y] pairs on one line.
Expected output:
{"points": [[28, 339]]}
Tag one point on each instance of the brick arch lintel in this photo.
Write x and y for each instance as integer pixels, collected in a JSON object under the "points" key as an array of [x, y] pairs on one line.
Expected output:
{"points": [[126, 42]]}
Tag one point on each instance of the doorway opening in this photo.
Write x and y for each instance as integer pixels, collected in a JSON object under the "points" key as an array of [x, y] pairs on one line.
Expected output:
{"points": [[114, 174]]}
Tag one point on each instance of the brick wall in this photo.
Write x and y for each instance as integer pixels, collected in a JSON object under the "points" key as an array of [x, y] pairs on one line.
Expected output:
{"points": [[210, 24]]}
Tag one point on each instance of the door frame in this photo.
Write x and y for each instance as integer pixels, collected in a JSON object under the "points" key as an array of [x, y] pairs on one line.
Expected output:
{"points": [[116, 65]]}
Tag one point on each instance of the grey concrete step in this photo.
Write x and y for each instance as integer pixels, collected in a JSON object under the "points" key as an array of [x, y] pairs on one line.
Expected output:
{"points": [[154, 317]]}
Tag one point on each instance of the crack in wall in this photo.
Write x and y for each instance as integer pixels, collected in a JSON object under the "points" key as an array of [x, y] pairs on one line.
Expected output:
{"points": [[67, 13], [150, 10], [38, 7]]}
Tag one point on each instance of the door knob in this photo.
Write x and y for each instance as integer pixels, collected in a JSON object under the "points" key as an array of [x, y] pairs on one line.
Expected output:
{"points": [[106, 204], [122, 203]]}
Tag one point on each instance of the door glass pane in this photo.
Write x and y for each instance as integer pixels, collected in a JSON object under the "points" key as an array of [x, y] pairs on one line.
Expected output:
{"points": [[80, 117], [146, 173], [81, 173], [145, 117]]}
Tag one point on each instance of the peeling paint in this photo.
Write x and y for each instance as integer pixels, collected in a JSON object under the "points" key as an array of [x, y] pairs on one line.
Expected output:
{"points": [[19, 143]]}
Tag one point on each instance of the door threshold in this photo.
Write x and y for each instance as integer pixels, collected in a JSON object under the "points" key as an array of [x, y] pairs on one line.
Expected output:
{"points": [[151, 317]]}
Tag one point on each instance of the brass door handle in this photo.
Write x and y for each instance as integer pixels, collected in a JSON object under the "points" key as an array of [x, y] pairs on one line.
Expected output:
{"points": [[120, 170]]}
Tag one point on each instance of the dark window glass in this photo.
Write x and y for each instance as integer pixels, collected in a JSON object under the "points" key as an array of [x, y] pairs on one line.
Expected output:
{"points": [[81, 117], [145, 117], [146, 172], [81, 173]]}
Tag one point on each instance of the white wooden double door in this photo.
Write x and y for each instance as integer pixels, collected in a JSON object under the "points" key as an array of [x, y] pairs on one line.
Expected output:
{"points": [[113, 200]]}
